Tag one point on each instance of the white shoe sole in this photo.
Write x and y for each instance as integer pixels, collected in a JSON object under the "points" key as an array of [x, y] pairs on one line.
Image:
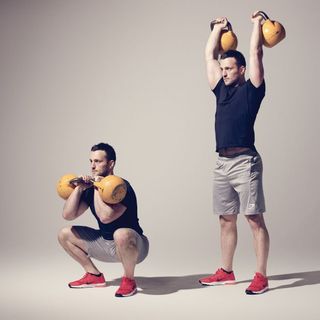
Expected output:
{"points": [[257, 292], [218, 283], [127, 295], [97, 285]]}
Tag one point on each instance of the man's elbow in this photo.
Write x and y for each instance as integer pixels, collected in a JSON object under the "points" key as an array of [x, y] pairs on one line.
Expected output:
{"points": [[110, 215], [105, 219], [257, 52], [211, 55], [68, 215]]}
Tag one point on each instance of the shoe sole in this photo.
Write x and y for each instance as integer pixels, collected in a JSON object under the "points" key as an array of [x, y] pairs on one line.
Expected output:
{"points": [[83, 286], [218, 283], [126, 295], [249, 292]]}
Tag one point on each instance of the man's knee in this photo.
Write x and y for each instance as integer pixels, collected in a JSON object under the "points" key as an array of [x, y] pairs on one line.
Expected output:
{"points": [[228, 221], [66, 234], [63, 234], [125, 237], [256, 221]]}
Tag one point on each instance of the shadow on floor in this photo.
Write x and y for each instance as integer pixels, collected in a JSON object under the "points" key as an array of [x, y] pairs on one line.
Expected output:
{"points": [[301, 279], [172, 284], [165, 285]]}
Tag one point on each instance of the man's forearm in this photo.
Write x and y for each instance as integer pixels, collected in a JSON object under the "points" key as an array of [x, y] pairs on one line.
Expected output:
{"points": [[256, 39], [212, 47], [71, 205]]}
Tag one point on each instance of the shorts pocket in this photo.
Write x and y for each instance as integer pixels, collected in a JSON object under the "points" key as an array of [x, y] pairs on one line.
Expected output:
{"points": [[219, 164], [256, 165]]}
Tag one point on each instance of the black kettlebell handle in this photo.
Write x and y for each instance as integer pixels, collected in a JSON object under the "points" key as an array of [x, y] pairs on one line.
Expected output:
{"points": [[229, 27], [77, 180], [263, 15]]}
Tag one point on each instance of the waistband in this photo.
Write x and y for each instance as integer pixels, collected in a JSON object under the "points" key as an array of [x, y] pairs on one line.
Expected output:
{"points": [[248, 152]]}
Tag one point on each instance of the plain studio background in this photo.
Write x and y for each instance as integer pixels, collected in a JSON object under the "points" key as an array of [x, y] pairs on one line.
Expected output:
{"points": [[132, 73]]}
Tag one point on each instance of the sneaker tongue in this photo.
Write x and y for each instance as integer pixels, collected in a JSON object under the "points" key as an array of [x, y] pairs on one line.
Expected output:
{"points": [[127, 279], [260, 275]]}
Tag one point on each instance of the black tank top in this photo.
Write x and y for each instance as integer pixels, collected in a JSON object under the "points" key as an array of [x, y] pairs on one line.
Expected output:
{"points": [[129, 219]]}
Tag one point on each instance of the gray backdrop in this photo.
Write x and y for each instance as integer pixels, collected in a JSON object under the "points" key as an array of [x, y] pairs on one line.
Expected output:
{"points": [[132, 73]]}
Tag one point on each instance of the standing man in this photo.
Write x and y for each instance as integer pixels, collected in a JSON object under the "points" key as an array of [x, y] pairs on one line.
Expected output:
{"points": [[238, 171], [119, 237]]}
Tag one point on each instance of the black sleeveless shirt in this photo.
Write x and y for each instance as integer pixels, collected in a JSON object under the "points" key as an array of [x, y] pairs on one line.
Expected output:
{"points": [[129, 219]]}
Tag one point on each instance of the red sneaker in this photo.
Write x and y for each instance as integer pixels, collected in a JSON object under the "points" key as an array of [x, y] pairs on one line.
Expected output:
{"points": [[127, 288], [258, 285], [219, 277], [89, 281]]}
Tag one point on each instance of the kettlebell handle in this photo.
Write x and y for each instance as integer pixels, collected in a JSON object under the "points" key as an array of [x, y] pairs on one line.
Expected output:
{"points": [[262, 14], [79, 179], [96, 184], [229, 27]]}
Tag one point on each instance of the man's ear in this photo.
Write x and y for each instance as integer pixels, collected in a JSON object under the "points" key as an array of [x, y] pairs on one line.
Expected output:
{"points": [[242, 70], [111, 164]]}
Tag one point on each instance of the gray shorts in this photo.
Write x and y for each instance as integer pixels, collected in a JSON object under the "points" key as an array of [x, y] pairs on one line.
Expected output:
{"points": [[105, 250], [238, 185]]}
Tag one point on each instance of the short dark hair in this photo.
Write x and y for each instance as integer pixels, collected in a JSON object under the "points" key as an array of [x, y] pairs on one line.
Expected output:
{"points": [[107, 148], [241, 61]]}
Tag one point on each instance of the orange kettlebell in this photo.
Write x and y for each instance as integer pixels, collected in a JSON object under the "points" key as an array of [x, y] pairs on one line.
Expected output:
{"points": [[65, 186], [272, 31], [228, 39], [112, 189]]}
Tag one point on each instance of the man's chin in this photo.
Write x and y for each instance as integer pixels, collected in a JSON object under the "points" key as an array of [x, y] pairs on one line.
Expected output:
{"points": [[228, 82], [232, 84], [98, 174]]}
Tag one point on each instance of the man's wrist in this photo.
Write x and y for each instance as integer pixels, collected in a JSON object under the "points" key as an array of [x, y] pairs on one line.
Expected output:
{"points": [[257, 21], [80, 188]]}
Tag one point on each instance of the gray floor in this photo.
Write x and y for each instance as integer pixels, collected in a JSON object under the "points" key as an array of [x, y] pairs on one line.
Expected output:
{"points": [[41, 293]]}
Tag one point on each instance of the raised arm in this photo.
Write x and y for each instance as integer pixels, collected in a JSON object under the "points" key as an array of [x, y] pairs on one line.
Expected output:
{"points": [[256, 72], [212, 53]]}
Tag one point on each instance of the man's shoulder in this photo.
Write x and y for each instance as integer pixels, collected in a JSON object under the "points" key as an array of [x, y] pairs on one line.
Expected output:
{"points": [[128, 184], [130, 189], [220, 84], [251, 85]]}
